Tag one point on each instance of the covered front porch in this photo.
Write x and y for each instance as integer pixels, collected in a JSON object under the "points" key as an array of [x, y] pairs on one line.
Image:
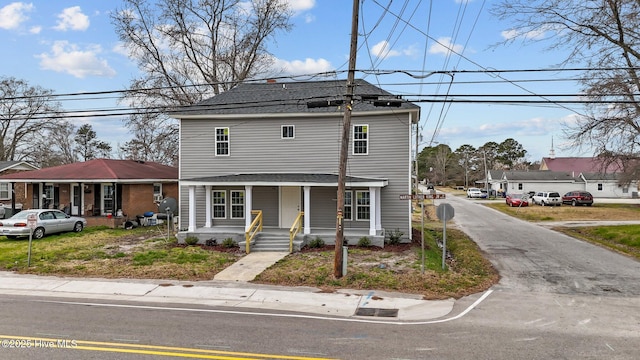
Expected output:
{"points": [[225, 207]]}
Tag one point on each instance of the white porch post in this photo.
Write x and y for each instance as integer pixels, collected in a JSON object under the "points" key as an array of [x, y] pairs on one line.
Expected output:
{"points": [[248, 206], [373, 209], [378, 209], [192, 208], [207, 210], [307, 210]]}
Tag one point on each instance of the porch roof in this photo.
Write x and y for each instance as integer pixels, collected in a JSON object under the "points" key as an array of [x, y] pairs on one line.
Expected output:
{"points": [[284, 179]]}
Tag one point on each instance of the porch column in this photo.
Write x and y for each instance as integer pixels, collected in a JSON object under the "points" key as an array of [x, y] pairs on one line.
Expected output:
{"points": [[373, 210], [192, 208], [307, 210], [248, 206], [207, 210], [378, 209]]}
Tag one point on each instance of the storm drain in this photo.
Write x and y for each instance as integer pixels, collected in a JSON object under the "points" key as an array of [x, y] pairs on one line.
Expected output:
{"points": [[377, 312]]}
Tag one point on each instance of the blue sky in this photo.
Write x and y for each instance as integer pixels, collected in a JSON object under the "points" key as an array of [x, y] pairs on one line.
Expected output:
{"points": [[71, 47]]}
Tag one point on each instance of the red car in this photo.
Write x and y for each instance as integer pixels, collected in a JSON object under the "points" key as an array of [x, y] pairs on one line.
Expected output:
{"points": [[517, 200]]}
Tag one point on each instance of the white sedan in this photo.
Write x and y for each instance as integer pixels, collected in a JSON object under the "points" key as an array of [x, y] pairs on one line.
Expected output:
{"points": [[475, 193], [47, 221]]}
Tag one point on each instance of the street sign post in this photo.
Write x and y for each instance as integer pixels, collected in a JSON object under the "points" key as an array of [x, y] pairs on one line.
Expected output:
{"points": [[32, 222], [445, 213], [421, 197]]}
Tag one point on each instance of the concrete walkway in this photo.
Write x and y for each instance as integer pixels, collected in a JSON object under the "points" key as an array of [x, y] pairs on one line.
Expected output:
{"points": [[238, 294], [250, 266]]}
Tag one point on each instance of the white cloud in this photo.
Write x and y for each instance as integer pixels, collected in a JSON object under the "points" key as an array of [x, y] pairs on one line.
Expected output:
{"points": [[72, 19], [14, 14], [383, 50], [531, 35], [300, 67], [67, 58], [35, 29], [444, 46], [299, 6]]}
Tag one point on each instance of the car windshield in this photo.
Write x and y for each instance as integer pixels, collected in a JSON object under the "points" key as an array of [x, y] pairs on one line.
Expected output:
{"points": [[517, 196], [554, 194]]}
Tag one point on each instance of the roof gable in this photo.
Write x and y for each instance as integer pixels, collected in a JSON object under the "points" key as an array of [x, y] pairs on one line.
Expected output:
{"points": [[99, 170]]}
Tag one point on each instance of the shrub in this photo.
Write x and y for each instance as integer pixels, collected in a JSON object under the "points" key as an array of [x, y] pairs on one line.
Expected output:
{"points": [[394, 237], [364, 242], [316, 243], [191, 240], [229, 243]]}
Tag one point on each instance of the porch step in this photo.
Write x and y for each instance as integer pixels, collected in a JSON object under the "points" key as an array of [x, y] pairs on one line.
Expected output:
{"points": [[271, 242]]}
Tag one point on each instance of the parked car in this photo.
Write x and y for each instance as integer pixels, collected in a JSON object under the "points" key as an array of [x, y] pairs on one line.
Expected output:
{"points": [[546, 198], [577, 198], [517, 200], [48, 221], [475, 193]]}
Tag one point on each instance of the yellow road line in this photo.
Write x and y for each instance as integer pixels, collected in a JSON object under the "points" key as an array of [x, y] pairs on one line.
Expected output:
{"points": [[156, 349]]}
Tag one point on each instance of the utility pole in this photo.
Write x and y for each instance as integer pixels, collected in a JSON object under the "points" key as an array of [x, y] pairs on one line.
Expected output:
{"points": [[344, 147]]}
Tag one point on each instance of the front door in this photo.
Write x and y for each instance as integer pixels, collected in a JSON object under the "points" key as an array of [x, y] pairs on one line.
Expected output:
{"points": [[289, 205]]}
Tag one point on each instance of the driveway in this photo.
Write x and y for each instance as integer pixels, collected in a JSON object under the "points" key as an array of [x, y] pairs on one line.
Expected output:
{"points": [[531, 257]]}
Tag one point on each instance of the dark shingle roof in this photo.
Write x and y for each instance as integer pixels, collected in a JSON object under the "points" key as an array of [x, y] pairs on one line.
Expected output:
{"points": [[541, 175], [291, 97]]}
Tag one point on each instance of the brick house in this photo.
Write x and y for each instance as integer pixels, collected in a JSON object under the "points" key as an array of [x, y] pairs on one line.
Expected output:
{"points": [[106, 191]]}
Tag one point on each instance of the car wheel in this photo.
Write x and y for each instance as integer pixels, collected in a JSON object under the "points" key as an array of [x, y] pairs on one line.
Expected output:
{"points": [[38, 233], [78, 227], [573, 202], [542, 203]]}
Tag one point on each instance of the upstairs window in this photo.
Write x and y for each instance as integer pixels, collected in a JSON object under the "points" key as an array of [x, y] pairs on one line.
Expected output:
{"points": [[222, 141], [288, 132], [360, 139]]}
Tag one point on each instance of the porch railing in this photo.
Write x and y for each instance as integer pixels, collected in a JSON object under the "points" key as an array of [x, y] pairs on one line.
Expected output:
{"points": [[295, 229], [254, 228]]}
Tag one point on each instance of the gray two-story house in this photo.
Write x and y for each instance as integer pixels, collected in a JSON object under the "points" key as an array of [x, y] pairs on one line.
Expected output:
{"points": [[272, 150]]}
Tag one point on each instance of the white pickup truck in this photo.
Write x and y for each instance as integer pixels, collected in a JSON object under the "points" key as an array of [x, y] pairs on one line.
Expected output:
{"points": [[547, 198]]}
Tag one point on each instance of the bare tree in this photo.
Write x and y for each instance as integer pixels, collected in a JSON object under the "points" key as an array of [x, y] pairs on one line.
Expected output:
{"points": [[27, 113], [602, 35], [188, 50]]}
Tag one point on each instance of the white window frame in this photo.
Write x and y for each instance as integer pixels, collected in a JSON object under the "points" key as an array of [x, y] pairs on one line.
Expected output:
{"points": [[108, 192], [5, 191], [236, 207], [348, 203], [360, 137], [222, 205], [290, 134], [225, 140], [362, 206]]}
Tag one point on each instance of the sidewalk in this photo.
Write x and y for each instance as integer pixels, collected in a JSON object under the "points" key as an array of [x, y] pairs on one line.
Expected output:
{"points": [[356, 304]]}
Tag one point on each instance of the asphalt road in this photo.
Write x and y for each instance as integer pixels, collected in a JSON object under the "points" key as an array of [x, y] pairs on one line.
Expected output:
{"points": [[559, 298]]}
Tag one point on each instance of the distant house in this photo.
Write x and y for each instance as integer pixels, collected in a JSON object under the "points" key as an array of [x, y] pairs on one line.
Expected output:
{"points": [[577, 165], [97, 188], [273, 149]]}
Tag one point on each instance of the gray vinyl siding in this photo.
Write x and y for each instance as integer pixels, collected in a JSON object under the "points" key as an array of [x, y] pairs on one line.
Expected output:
{"points": [[256, 146], [266, 198]]}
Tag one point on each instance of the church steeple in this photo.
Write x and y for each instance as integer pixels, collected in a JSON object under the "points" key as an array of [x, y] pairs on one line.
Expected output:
{"points": [[552, 152]]}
